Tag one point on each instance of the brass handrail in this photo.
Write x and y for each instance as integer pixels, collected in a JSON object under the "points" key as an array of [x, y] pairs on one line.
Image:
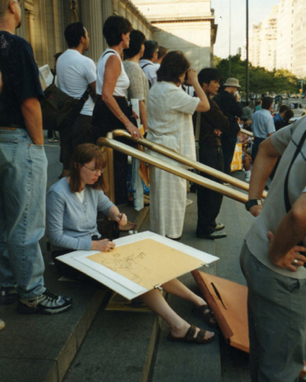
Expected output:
{"points": [[247, 132], [227, 191], [183, 159]]}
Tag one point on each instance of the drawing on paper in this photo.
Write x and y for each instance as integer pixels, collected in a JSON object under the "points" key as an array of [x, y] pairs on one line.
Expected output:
{"points": [[147, 262]]}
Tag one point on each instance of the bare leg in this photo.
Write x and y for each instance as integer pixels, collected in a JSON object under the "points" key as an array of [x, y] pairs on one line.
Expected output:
{"points": [[177, 288], [157, 303]]}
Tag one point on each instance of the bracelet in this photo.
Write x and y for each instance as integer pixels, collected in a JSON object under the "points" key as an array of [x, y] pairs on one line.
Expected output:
{"points": [[120, 116]]}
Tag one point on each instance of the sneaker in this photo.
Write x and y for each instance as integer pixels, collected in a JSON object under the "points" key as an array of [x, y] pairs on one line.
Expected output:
{"points": [[47, 303], [219, 227], [53, 140], [212, 236], [8, 295], [188, 202], [2, 324]]}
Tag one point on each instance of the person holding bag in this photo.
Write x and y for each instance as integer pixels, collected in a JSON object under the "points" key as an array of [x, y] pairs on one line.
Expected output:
{"points": [[112, 110]]}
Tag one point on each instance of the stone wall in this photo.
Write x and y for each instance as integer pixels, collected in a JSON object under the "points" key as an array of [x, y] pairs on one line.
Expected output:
{"points": [[44, 22]]}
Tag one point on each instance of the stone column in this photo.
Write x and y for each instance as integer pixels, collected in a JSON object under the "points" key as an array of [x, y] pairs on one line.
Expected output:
{"points": [[22, 31], [91, 17]]}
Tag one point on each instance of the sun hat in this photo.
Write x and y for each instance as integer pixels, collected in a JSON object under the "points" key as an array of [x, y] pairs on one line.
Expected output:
{"points": [[232, 82]]}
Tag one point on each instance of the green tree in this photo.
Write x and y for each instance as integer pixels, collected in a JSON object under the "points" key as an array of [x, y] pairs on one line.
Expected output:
{"points": [[260, 79]]}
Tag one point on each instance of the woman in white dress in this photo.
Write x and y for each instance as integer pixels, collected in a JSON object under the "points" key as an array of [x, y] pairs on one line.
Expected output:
{"points": [[170, 112]]}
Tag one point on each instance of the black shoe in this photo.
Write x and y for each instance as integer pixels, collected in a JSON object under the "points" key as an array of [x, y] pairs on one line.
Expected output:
{"points": [[47, 303], [212, 235], [219, 227], [8, 295]]}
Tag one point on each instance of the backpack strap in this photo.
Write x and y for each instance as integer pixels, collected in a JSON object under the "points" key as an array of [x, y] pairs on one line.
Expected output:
{"points": [[297, 151], [149, 63]]}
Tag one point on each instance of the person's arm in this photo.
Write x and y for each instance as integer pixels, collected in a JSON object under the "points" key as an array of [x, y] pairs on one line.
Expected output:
{"points": [[270, 126], [283, 248], [264, 163], [116, 215], [110, 210], [55, 225], [31, 112], [111, 74], [217, 118], [192, 79], [93, 93], [143, 115]]}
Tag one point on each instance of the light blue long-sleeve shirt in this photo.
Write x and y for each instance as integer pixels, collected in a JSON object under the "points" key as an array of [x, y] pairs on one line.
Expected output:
{"points": [[70, 223]]}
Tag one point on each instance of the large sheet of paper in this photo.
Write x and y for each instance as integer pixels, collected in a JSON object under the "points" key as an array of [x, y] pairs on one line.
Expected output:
{"points": [[138, 263]]}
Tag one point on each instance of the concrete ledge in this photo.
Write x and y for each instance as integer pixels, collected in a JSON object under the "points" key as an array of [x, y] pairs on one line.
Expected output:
{"points": [[41, 347]]}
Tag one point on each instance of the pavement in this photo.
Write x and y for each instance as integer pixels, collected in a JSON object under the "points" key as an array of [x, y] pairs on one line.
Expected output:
{"points": [[91, 343]]}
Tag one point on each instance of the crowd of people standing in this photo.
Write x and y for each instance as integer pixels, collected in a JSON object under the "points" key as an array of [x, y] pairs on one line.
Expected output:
{"points": [[272, 256]]}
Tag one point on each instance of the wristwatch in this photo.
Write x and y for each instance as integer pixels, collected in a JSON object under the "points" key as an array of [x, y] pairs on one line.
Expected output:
{"points": [[253, 202]]}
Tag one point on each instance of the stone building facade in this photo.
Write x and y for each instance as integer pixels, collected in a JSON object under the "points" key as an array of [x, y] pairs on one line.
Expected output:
{"points": [[184, 25], [44, 22]]}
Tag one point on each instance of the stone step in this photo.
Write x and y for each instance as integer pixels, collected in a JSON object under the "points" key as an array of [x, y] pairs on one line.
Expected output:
{"points": [[36, 348]]}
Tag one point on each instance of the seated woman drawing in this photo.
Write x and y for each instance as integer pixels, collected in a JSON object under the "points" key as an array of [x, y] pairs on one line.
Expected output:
{"points": [[72, 205]]}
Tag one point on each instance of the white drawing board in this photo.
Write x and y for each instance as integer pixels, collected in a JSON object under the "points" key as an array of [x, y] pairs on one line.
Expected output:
{"points": [[138, 263]]}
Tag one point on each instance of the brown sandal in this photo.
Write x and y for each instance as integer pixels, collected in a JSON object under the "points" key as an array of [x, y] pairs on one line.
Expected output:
{"points": [[189, 336], [206, 314]]}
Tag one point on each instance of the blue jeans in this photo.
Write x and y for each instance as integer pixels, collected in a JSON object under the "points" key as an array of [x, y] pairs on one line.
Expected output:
{"points": [[23, 180]]}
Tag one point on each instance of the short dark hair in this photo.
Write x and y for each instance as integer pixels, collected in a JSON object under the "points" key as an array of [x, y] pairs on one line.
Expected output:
{"points": [[150, 47], [83, 154], [137, 39], [247, 103], [266, 103], [57, 55], [73, 34], [173, 66], [113, 29], [207, 75], [288, 115], [283, 108], [162, 51]]}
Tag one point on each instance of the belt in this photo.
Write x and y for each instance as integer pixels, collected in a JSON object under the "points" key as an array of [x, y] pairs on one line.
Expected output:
{"points": [[8, 128]]}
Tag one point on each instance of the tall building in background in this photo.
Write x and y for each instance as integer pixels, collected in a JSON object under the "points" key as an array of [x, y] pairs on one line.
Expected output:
{"points": [[279, 41], [299, 38], [254, 45], [263, 45], [284, 57], [186, 25]]}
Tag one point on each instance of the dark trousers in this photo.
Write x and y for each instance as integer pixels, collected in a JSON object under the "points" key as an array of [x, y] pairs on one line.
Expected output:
{"points": [[277, 322], [228, 153], [73, 136], [104, 121], [255, 146], [209, 202]]}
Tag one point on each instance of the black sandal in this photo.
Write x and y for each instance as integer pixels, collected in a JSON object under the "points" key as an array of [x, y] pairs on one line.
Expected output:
{"points": [[189, 336], [207, 315]]}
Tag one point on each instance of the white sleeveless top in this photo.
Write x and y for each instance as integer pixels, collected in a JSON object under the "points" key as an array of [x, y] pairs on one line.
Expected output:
{"points": [[123, 81]]}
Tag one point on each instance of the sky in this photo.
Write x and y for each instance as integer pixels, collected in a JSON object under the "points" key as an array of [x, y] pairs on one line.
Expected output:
{"points": [[258, 11]]}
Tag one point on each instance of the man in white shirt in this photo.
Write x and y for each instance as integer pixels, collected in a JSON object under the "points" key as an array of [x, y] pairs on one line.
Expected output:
{"points": [[75, 73], [262, 124], [147, 63]]}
